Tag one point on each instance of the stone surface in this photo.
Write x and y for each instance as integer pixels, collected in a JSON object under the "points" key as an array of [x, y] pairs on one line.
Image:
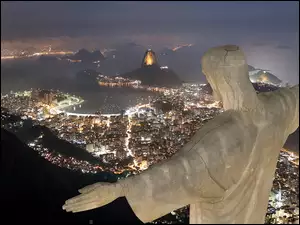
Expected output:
{"points": [[226, 171]]}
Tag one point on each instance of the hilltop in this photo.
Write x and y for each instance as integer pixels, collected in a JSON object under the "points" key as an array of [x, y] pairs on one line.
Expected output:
{"points": [[35, 189]]}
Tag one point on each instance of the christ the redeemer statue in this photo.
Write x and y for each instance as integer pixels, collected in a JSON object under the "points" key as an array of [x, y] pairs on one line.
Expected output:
{"points": [[225, 173]]}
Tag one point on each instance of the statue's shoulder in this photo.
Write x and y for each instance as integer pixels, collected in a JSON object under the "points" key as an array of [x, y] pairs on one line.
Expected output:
{"points": [[281, 105], [221, 123], [225, 131], [227, 119], [228, 123]]}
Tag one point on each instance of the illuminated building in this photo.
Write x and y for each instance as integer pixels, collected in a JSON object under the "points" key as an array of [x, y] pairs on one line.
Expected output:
{"points": [[149, 58], [151, 74], [44, 96], [90, 147]]}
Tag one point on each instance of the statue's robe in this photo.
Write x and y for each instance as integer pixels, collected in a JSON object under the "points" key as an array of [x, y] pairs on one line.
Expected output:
{"points": [[225, 172]]}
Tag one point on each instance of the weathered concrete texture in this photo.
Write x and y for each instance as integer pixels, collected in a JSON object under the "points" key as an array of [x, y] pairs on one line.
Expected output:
{"points": [[226, 171]]}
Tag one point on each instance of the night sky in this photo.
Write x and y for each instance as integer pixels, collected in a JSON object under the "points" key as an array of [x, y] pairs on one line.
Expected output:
{"points": [[267, 31]]}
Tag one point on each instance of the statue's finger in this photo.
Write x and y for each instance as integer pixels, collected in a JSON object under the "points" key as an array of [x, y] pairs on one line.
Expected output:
{"points": [[89, 188], [81, 198], [86, 207], [71, 206]]}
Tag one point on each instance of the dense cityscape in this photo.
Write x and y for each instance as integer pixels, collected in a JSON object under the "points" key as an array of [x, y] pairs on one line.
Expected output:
{"points": [[100, 98], [137, 137], [31, 52], [148, 133], [16, 53]]}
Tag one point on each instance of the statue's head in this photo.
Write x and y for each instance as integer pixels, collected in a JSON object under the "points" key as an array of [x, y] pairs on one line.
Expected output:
{"points": [[226, 70]]}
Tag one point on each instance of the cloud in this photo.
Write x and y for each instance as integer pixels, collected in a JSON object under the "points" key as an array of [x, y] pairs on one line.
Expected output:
{"points": [[260, 44], [283, 47], [74, 25], [52, 19]]}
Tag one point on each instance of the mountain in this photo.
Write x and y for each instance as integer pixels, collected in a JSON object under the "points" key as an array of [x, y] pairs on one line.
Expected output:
{"points": [[86, 56], [97, 55], [33, 190], [81, 55], [259, 87], [151, 74], [264, 87], [257, 75], [28, 133], [264, 77], [56, 145]]}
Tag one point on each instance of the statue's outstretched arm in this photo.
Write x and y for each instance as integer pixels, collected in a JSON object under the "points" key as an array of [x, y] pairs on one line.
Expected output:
{"points": [[197, 173], [170, 185], [201, 172]]}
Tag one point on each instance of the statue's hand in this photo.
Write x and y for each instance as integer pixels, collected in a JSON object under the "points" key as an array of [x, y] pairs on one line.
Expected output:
{"points": [[94, 196]]}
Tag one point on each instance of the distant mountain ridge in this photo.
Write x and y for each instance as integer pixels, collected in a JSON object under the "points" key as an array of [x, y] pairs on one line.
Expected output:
{"points": [[265, 77], [86, 56], [259, 87], [35, 190], [257, 75]]}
